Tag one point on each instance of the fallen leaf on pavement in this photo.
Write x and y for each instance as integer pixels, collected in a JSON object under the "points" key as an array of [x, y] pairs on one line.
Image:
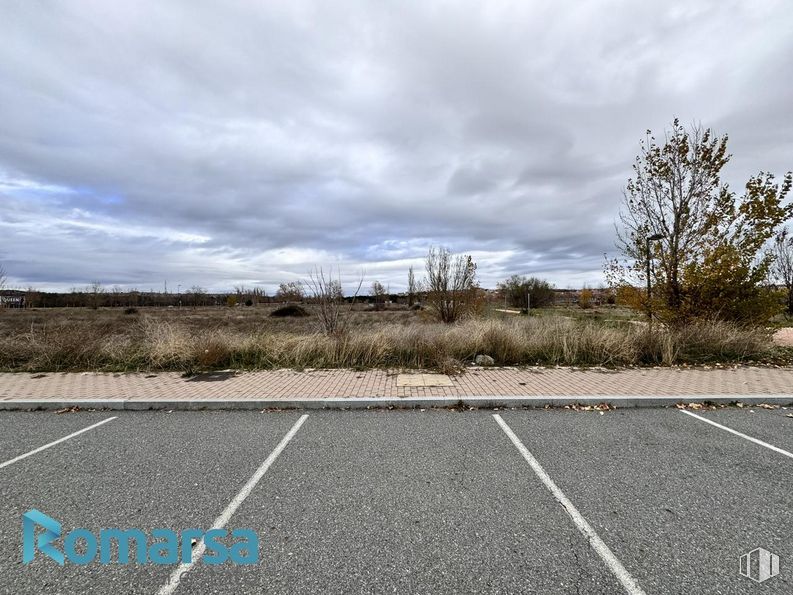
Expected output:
{"points": [[601, 407]]}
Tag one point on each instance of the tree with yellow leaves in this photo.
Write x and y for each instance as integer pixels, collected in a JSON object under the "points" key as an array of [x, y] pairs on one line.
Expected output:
{"points": [[705, 242]]}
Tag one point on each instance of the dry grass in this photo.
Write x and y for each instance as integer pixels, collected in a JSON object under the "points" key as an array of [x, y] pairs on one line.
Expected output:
{"points": [[59, 340]]}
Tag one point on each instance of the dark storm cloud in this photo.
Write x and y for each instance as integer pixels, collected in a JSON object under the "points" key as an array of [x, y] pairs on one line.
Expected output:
{"points": [[244, 142]]}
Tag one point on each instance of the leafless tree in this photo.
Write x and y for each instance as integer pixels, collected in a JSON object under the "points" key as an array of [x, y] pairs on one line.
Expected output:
{"points": [[258, 295], [197, 295], [32, 298], [245, 296], [411, 286], [250, 296], [3, 281], [379, 294], [290, 292], [450, 284], [328, 295], [117, 294], [95, 292], [782, 269]]}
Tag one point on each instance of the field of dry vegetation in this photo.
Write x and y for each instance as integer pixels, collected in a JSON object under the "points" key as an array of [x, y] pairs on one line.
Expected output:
{"points": [[190, 339]]}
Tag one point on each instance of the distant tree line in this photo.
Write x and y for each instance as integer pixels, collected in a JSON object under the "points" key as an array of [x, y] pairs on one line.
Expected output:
{"points": [[449, 291], [98, 296]]}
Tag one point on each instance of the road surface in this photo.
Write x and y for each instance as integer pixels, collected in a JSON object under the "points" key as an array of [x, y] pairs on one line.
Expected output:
{"points": [[432, 501]]}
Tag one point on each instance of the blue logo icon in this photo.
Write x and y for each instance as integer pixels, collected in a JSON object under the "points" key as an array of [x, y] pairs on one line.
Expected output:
{"points": [[30, 542], [80, 546]]}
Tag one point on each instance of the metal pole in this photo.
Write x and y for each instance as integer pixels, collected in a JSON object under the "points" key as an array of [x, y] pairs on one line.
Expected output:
{"points": [[652, 238], [649, 286]]}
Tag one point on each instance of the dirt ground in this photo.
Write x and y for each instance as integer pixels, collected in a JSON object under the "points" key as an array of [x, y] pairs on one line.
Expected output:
{"points": [[241, 319]]}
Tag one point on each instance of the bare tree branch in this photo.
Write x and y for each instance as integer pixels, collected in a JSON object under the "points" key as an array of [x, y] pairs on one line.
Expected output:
{"points": [[782, 269], [327, 293], [450, 284], [411, 286]]}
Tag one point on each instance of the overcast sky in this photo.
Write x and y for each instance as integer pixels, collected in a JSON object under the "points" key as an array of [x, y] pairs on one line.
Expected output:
{"points": [[226, 143]]}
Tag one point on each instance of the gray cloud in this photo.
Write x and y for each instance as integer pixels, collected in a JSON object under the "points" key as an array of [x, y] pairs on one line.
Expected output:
{"points": [[246, 142]]}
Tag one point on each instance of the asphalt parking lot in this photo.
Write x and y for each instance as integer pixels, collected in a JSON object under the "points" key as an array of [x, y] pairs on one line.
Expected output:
{"points": [[433, 501]]}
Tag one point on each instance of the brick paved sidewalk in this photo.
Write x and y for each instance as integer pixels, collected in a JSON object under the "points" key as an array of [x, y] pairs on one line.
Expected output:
{"points": [[287, 384]]}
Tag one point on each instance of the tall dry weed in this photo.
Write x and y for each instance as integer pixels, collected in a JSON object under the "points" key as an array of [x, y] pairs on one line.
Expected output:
{"points": [[155, 344]]}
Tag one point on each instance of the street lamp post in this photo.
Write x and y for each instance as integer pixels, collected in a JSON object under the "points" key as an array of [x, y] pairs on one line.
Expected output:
{"points": [[652, 238]]}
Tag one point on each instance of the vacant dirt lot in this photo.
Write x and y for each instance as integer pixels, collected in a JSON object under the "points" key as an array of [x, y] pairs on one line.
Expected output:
{"points": [[238, 319]]}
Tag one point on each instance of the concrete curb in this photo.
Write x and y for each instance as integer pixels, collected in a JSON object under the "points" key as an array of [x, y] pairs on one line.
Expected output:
{"points": [[485, 402]]}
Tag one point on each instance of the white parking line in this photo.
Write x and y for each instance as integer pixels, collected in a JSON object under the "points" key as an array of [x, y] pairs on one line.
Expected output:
{"points": [[602, 550], [225, 516], [744, 436], [46, 446]]}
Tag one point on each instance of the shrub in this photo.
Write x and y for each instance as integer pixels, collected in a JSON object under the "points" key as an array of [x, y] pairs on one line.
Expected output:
{"points": [[292, 310], [451, 287], [333, 314], [525, 292], [585, 299], [213, 352], [290, 292]]}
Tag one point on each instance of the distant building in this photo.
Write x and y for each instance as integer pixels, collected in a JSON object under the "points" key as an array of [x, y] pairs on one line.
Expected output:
{"points": [[8, 300]]}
